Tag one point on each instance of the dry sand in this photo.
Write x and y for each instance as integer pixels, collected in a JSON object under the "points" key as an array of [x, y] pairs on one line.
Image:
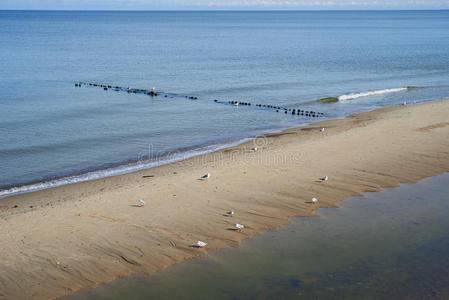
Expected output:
{"points": [[67, 238]]}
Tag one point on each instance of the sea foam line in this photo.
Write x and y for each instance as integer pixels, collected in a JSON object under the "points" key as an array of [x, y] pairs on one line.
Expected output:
{"points": [[114, 171], [371, 93]]}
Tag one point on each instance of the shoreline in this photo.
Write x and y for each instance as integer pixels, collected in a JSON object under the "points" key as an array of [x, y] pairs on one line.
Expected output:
{"points": [[258, 258], [116, 169], [80, 235], [134, 165]]}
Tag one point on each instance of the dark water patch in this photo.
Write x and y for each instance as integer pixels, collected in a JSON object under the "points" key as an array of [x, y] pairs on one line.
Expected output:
{"points": [[327, 100]]}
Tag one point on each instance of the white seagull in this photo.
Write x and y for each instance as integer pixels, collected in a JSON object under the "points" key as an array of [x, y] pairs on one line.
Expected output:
{"points": [[206, 176], [254, 149], [239, 226], [314, 200], [322, 129], [142, 203], [201, 244], [236, 104], [405, 103], [325, 178], [230, 213]]}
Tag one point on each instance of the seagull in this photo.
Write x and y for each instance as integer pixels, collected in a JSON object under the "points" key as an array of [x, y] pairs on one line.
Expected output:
{"points": [[314, 200], [405, 103], [230, 213], [325, 178], [201, 244], [142, 203], [254, 149], [236, 104], [322, 129], [206, 176], [239, 226]]}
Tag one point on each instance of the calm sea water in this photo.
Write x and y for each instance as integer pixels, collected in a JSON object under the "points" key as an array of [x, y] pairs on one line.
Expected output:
{"points": [[49, 128], [388, 245]]}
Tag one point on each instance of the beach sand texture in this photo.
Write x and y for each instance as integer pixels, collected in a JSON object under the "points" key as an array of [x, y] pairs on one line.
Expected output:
{"points": [[57, 241]]}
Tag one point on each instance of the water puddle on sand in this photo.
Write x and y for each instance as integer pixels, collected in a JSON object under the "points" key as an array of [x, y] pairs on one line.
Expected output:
{"points": [[388, 245]]}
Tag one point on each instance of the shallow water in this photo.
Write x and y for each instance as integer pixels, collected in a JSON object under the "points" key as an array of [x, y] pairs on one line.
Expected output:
{"points": [[50, 128], [388, 245]]}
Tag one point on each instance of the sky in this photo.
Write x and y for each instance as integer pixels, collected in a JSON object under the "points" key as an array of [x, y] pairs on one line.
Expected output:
{"points": [[221, 4]]}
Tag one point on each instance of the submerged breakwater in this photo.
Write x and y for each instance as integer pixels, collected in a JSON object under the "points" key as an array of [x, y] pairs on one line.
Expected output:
{"points": [[285, 110], [152, 92]]}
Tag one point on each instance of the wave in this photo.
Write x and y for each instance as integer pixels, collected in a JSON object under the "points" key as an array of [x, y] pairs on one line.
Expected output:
{"points": [[352, 96], [373, 93], [117, 170]]}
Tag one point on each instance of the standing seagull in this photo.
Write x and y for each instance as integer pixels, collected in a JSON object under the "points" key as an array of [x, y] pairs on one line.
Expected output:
{"points": [[322, 129], [206, 176], [254, 149], [230, 213], [325, 178], [201, 244], [314, 200], [142, 203]]}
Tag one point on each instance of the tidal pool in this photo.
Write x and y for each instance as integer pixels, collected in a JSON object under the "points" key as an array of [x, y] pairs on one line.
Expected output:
{"points": [[388, 245]]}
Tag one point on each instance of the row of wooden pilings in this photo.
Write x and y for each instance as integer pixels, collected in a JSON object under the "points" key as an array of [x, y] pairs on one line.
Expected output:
{"points": [[152, 92]]}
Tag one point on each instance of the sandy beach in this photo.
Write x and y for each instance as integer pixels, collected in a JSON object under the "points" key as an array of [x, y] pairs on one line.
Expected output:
{"points": [[57, 241]]}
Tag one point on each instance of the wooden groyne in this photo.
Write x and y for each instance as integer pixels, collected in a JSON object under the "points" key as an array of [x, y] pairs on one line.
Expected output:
{"points": [[106, 87], [285, 110], [152, 92]]}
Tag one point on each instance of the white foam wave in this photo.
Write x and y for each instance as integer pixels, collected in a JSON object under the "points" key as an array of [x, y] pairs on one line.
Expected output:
{"points": [[119, 170], [370, 93]]}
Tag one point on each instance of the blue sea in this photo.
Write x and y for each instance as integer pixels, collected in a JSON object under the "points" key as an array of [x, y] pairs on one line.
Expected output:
{"points": [[53, 132]]}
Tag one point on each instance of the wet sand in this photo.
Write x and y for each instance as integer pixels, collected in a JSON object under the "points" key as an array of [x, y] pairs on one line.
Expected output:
{"points": [[393, 244], [60, 240]]}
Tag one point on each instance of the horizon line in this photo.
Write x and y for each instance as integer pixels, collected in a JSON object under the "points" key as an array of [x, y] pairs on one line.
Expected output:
{"points": [[233, 10]]}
